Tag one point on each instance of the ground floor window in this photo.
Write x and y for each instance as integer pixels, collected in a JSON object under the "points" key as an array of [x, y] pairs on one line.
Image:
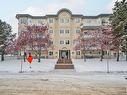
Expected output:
{"points": [[50, 53], [61, 42], [77, 52]]}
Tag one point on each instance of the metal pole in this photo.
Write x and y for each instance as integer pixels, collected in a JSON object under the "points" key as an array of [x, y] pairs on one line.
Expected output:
{"points": [[107, 62], [21, 64]]}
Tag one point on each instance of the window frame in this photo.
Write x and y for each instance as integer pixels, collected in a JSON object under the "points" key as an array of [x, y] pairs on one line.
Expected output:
{"points": [[50, 31], [61, 31], [51, 20], [67, 31], [62, 42], [67, 42], [50, 53], [77, 20]]}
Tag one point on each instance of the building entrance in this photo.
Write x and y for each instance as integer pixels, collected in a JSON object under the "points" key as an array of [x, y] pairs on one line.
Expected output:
{"points": [[64, 54]]}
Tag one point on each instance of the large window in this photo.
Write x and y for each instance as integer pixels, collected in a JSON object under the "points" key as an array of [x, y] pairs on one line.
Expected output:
{"points": [[64, 42], [61, 31], [61, 42], [50, 53], [89, 21], [77, 20], [40, 22], [67, 31], [77, 52], [51, 20], [51, 31], [23, 21], [61, 20], [67, 42], [66, 20], [77, 30], [52, 42]]}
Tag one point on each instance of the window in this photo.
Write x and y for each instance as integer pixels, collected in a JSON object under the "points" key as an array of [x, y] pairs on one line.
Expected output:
{"points": [[61, 42], [61, 31], [23, 21], [103, 21], [50, 20], [67, 42], [78, 53], [86, 33], [77, 31], [72, 52], [61, 20], [67, 31], [29, 21], [89, 21], [51, 31], [77, 20], [52, 42], [66, 20], [40, 22], [50, 53]]}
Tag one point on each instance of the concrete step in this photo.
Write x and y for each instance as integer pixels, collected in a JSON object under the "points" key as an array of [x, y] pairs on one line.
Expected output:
{"points": [[64, 66]]}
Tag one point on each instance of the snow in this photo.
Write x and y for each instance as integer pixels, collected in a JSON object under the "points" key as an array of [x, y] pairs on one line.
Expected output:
{"points": [[13, 65], [52, 82], [97, 65]]}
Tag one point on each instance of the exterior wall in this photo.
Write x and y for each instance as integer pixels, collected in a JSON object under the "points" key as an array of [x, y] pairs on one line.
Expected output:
{"points": [[64, 20]]}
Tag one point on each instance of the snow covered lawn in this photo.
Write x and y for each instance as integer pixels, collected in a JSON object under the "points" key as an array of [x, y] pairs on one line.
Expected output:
{"points": [[97, 65], [62, 82], [47, 65], [14, 65]]}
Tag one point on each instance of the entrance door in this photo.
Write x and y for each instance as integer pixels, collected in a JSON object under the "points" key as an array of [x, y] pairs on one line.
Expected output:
{"points": [[64, 54]]}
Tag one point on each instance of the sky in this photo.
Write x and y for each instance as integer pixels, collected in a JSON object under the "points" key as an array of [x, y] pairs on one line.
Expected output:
{"points": [[9, 8]]}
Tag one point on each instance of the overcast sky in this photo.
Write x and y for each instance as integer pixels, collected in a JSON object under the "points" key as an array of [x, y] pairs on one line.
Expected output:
{"points": [[9, 8]]}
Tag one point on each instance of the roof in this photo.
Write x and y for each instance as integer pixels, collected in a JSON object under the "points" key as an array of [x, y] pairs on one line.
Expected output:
{"points": [[77, 15], [61, 10], [90, 27], [104, 15], [90, 17], [30, 16], [64, 9]]}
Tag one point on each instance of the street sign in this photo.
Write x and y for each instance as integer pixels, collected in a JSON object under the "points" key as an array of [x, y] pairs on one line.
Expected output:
{"points": [[30, 59]]}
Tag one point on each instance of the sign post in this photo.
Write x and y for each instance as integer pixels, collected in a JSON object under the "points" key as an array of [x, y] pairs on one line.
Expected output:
{"points": [[21, 54]]}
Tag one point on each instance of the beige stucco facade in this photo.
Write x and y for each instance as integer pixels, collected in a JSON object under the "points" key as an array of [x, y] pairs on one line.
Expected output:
{"points": [[64, 28]]}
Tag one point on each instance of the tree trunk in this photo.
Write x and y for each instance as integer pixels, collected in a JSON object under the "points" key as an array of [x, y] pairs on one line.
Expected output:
{"points": [[39, 60], [117, 56], [102, 55], [39, 56], [126, 55], [84, 57], [24, 56], [126, 49], [2, 55]]}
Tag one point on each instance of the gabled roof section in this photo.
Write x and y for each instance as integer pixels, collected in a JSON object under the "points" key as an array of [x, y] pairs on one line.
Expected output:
{"points": [[64, 9], [22, 15], [77, 15], [90, 27], [104, 15], [27, 15], [51, 15], [90, 17]]}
